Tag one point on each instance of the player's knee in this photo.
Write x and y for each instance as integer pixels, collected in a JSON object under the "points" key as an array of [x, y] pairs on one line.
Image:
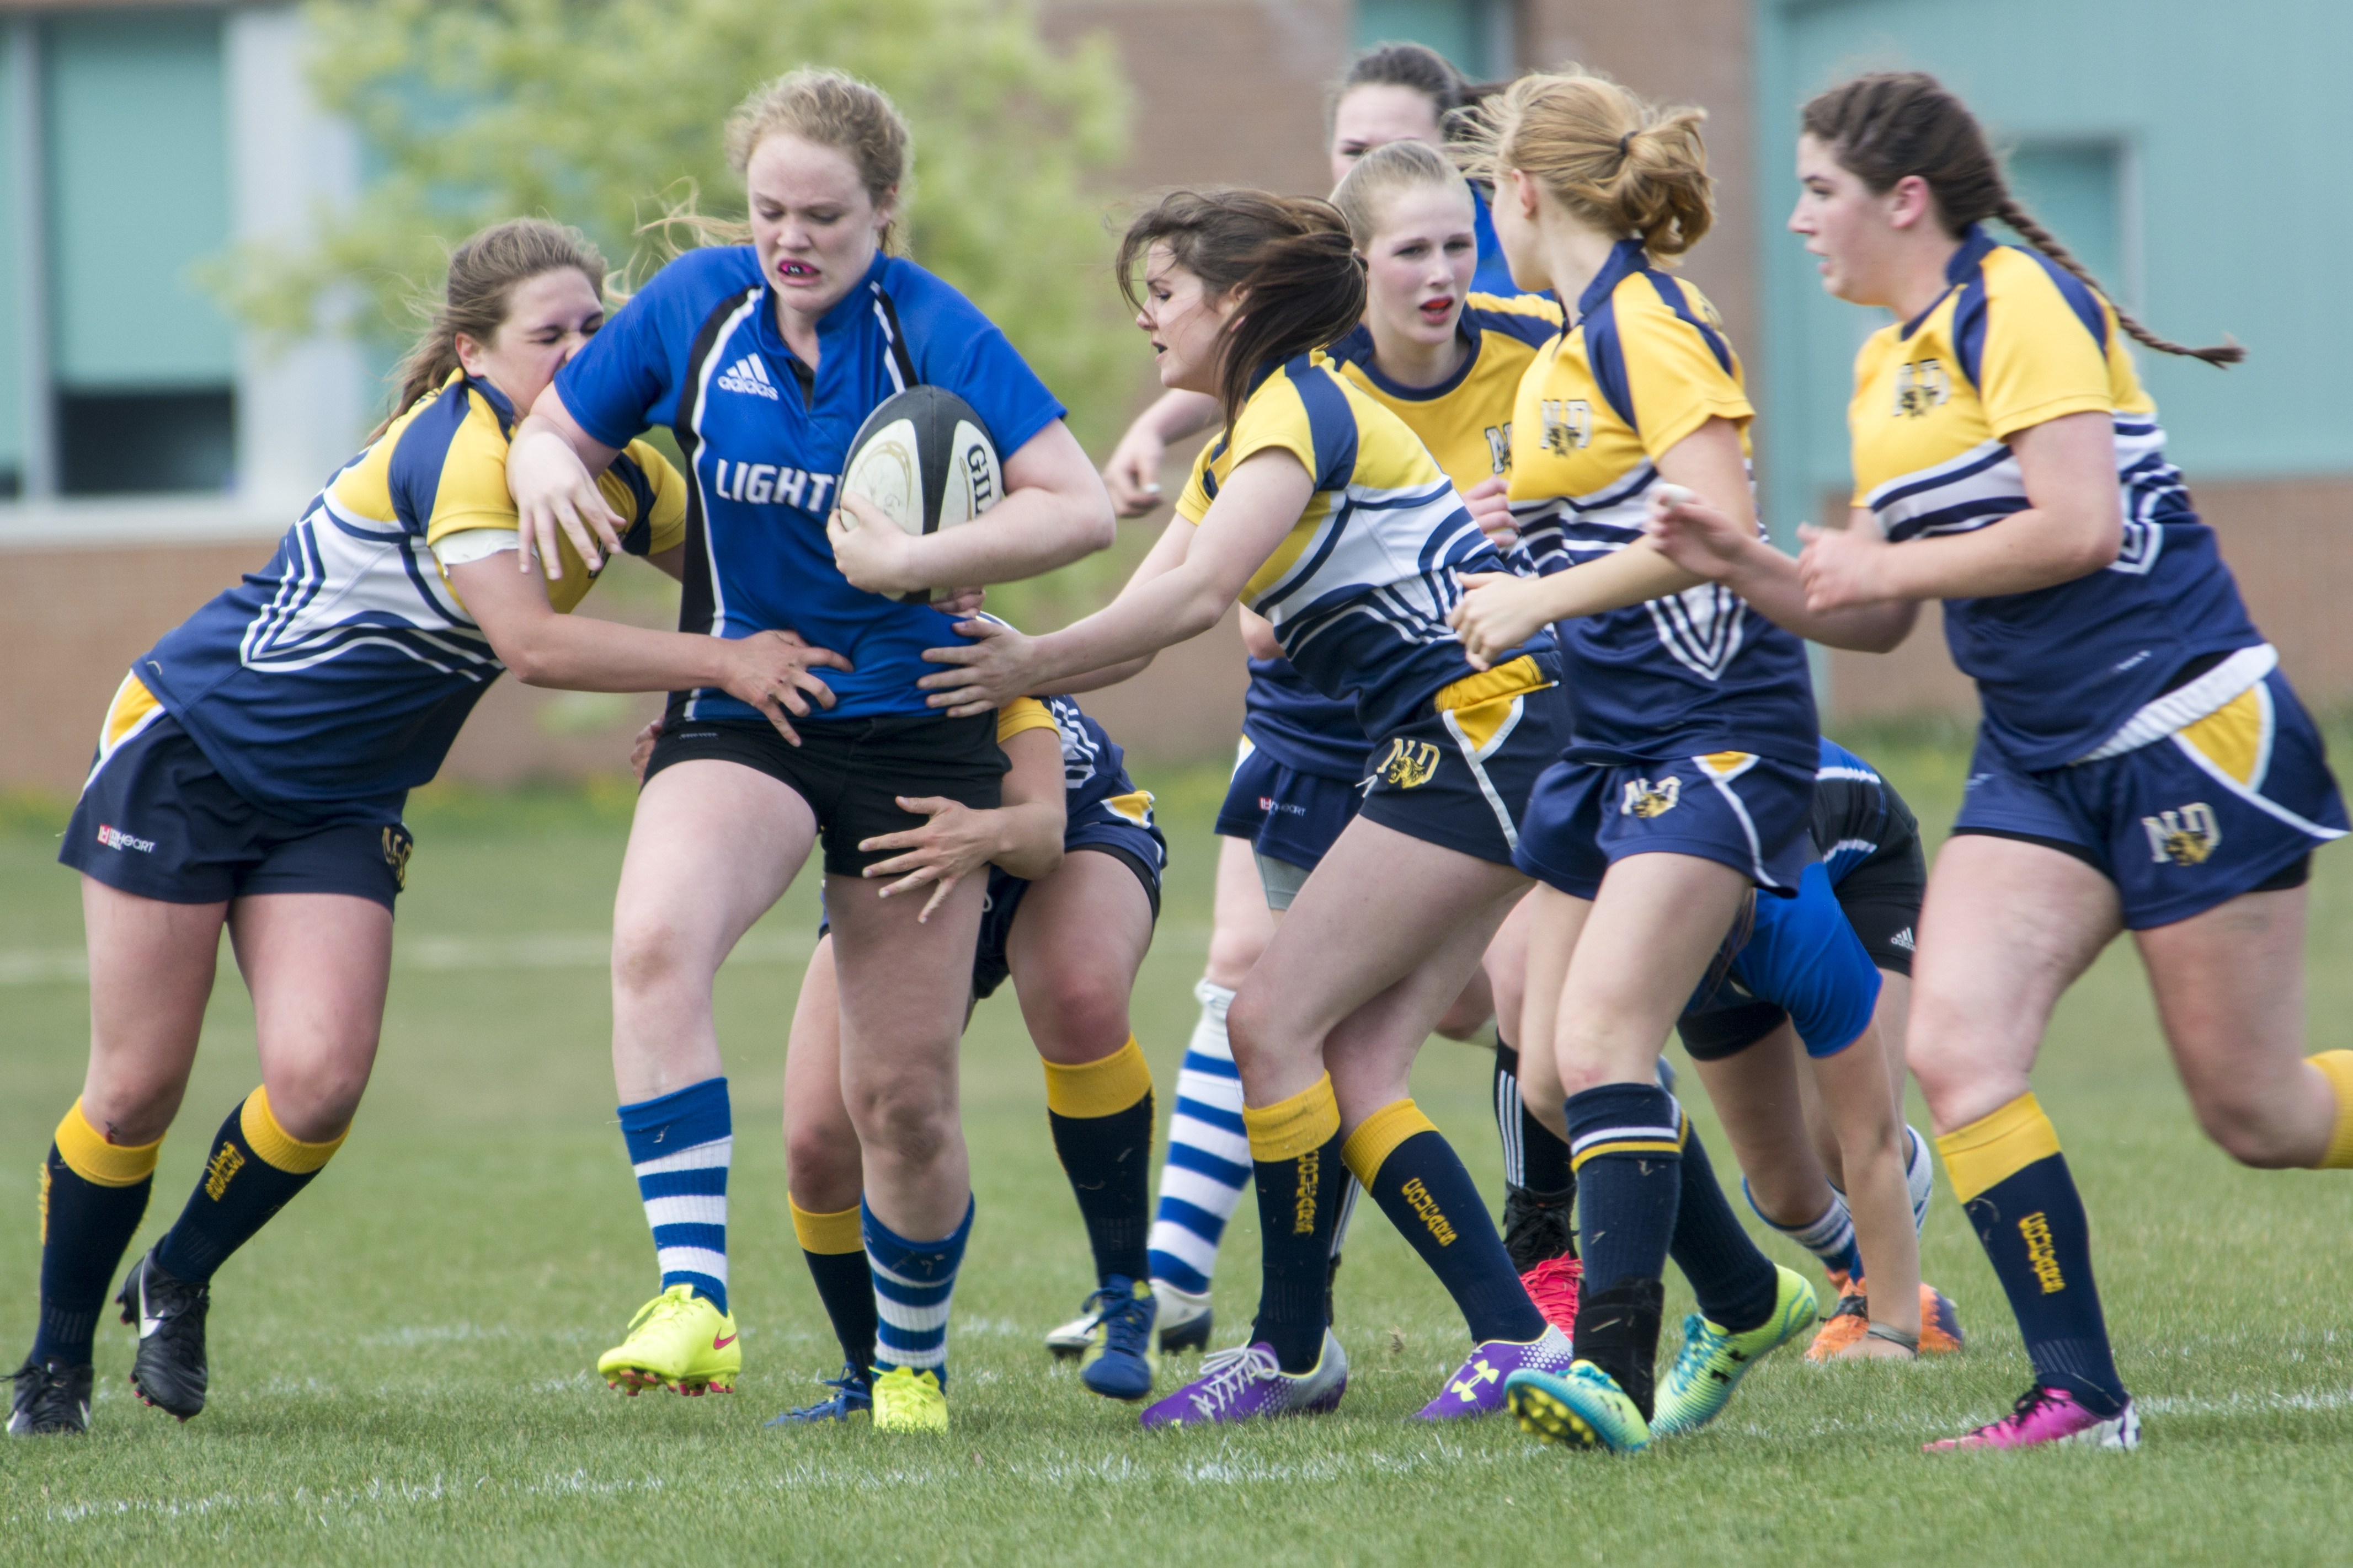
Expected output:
{"points": [[1465, 1018], [316, 1102], [1252, 1031], [1232, 956], [911, 1122], [2248, 1128], [649, 955], [821, 1167], [1081, 1017]]}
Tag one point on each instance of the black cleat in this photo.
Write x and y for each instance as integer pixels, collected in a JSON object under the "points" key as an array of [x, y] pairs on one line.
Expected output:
{"points": [[1538, 1226], [170, 1372], [52, 1400]]}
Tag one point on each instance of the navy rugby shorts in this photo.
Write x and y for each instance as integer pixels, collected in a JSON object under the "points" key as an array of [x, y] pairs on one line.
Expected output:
{"points": [[1286, 814], [1459, 776], [2233, 804], [156, 819], [1739, 809]]}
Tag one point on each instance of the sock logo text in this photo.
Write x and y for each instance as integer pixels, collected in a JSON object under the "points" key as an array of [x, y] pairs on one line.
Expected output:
{"points": [[1431, 1215], [2041, 1256], [1302, 1204], [226, 1164]]}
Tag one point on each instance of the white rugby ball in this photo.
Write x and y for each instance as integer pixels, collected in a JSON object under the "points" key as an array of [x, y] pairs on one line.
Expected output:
{"points": [[926, 460]]}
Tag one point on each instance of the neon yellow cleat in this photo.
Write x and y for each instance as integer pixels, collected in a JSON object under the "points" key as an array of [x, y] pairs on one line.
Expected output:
{"points": [[679, 1339], [906, 1400], [1714, 1359]]}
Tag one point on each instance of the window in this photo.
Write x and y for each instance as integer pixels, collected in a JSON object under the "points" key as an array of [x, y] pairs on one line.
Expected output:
{"points": [[2081, 191], [1476, 35]]}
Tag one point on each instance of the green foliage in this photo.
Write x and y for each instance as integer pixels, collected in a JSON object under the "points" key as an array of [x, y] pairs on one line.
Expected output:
{"points": [[604, 112]]}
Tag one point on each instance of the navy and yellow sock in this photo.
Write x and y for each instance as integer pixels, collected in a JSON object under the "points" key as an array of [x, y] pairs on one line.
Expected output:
{"points": [[2010, 1175], [834, 1247], [2337, 1067], [1296, 1162], [1413, 1174], [1101, 1115], [255, 1169], [1737, 1285], [93, 1193], [1626, 1143]]}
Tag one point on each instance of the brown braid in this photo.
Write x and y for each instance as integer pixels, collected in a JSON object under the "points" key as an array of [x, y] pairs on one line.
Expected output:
{"points": [[1894, 125]]}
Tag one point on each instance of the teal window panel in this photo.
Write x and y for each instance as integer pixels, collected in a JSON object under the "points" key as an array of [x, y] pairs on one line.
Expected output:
{"points": [[1471, 33], [138, 193], [2076, 190]]}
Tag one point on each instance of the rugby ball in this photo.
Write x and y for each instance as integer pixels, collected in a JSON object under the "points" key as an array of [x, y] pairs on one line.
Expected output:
{"points": [[925, 459]]}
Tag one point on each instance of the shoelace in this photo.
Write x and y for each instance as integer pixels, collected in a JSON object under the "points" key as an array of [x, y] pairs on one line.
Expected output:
{"points": [[1226, 1373], [1552, 1285], [1122, 1318], [1702, 1340], [662, 1307]]}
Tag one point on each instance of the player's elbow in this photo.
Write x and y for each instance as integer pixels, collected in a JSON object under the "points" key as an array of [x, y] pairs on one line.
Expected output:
{"points": [[1094, 524]]}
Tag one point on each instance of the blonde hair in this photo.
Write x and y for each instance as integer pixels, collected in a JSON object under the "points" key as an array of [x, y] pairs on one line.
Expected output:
{"points": [[1614, 160], [484, 273], [1385, 172], [828, 108]]}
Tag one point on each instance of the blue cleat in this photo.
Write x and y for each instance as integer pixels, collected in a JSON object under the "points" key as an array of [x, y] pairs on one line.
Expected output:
{"points": [[853, 1394], [1119, 1361]]}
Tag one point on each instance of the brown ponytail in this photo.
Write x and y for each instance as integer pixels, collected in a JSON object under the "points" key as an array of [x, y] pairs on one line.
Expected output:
{"points": [[1301, 282], [1893, 125], [1616, 162], [484, 273]]}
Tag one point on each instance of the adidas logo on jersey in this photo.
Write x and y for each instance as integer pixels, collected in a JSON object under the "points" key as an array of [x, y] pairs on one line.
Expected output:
{"points": [[750, 377]]}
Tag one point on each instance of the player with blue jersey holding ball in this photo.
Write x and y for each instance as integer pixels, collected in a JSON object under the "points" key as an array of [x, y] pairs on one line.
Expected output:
{"points": [[765, 359]]}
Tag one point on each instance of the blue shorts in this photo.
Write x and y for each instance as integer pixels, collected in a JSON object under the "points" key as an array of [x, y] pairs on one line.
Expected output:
{"points": [[1737, 808], [1459, 777], [1803, 960], [157, 820], [2219, 808], [1286, 814]]}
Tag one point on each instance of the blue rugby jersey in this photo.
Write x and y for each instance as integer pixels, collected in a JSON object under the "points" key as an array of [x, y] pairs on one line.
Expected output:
{"points": [[1856, 813], [1494, 274], [1300, 727], [699, 349], [331, 682], [1646, 364], [2062, 671], [1805, 958], [1360, 590]]}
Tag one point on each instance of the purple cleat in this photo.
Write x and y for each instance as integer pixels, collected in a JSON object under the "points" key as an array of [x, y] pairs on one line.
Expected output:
{"points": [[1248, 1382], [1478, 1388]]}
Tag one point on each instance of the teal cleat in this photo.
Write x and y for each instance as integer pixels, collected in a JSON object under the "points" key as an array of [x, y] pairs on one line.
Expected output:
{"points": [[1580, 1408], [1713, 1359]]}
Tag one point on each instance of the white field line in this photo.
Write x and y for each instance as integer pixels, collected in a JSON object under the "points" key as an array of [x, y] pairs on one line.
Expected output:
{"points": [[538, 949]]}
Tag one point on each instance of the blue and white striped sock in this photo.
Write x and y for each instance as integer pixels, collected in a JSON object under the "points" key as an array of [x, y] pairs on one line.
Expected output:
{"points": [[1829, 1236], [1209, 1163], [914, 1281], [679, 1146]]}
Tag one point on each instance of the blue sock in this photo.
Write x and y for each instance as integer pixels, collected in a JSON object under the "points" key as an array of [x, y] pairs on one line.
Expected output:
{"points": [[1626, 1147], [679, 1146], [1829, 1236], [914, 1281], [1209, 1163]]}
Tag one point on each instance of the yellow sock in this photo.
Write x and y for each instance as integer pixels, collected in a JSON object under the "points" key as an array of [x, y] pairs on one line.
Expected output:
{"points": [[1996, 1147], [88, 1154], [2337, 1066], [1103, 1088], [1289, 1128], [1372, 1142], [829, 1234], [266, 1138]]}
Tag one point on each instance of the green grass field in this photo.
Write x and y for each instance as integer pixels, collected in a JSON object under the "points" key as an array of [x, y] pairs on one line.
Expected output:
{"points": [[403, 1363]]}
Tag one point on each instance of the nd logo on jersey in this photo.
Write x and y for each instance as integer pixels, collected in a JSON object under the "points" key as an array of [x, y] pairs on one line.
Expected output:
{"points": [[1921, 385], [1646, 799], [1568, 425], [2186, 836], [1410, 764]]}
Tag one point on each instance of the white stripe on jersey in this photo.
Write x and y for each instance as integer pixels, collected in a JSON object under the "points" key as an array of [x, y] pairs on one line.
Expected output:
{"points": [[1368, 547], [708, 372], [357, 583]]}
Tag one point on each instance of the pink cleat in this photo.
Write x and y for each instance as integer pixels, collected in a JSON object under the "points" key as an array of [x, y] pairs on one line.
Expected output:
{"points": [[2044, 1414]]}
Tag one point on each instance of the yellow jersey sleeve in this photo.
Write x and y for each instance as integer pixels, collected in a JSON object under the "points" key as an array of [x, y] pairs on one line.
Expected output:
{"points": [[645, 490], [1679, 370], [2044, 350], [1022, 713]]}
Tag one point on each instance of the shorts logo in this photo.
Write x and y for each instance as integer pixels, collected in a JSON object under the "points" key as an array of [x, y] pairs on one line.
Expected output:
{"points": [[2186, 836], [1921, 385], [226, 1164], [1410, 764], [1567, 426], [1903, 939], [1303, 1202], [115, 839], [2042, 1253], [397, 847], [1646, 799], [1431, 1215]]}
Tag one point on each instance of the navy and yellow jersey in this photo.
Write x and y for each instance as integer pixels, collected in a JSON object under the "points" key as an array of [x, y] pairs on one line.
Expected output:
{"points": [[1360, 590], [2016, 342], [1465, 420], [334, 681], [1857, 813], [699, 349], [1300, 727], [1693, 673]]}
